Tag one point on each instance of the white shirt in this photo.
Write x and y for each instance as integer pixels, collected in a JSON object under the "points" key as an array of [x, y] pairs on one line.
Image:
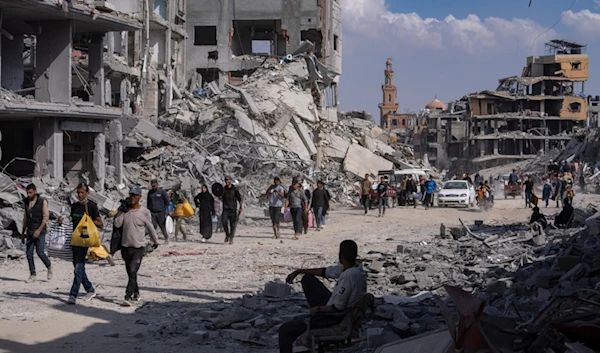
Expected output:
{"points": [[350, 287]]}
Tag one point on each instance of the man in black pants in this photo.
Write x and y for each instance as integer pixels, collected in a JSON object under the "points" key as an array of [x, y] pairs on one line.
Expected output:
{"points": [[350, 288], [34, 230], [157, 202], [78, 209], [231, 197], [135, 222]]}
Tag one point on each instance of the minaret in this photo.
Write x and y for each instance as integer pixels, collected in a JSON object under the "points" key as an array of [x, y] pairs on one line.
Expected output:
{"points": [[389, 104]]}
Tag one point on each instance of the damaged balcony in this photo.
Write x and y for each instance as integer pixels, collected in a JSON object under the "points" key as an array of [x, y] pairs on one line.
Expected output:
{"points": [[53, 111]]}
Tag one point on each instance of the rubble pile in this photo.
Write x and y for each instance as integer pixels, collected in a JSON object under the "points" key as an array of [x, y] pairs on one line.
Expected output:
{"points": [[269, 125], [533, 284], [527, 286]]}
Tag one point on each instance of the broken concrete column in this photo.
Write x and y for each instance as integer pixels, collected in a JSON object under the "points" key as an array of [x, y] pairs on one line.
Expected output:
{"points": [[125, 101], [53, 62], [48, 148], [115, 130], [99, 161], [96, 69], [150, 88]]}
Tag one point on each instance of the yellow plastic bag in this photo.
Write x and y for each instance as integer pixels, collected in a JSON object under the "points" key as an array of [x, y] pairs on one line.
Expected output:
{"points": [[86, 234], [188, 210], [98, 253]]}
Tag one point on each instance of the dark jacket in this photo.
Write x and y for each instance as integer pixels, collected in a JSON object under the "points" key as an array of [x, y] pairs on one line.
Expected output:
{"points": [[382, 189], [35, 215], [158, 200], [319, 198], [231, 197]]}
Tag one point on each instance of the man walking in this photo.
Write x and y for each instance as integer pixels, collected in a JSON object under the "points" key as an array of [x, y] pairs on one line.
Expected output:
{"points": [[382, 195], [365, 192], [78, 210], [528, 186], [135, 222], [411, 190], [34, 230], [296, 201], [276, 195], [430, 186], [158, 201], [231, 197], [319, 200]]}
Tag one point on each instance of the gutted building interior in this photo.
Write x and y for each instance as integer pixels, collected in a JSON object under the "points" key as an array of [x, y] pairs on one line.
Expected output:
{"points": [[526, 114], [54, 106], [233, 38]]}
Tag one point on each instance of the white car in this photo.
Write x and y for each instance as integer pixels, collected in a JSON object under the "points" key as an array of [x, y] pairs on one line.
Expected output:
{"points": [[457, 193]]}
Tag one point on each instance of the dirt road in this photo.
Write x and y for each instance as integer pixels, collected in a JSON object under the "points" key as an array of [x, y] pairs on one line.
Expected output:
{"points": [[35, 317]]}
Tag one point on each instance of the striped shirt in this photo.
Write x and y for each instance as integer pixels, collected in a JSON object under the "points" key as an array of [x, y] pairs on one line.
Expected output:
{"points": [[59, 240]]}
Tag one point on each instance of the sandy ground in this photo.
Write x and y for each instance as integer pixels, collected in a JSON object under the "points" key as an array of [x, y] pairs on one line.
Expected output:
{"points": [[35, 317]]}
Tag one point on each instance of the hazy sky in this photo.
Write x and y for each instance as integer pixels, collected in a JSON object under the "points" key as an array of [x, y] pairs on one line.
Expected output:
{"points": [[450, 48]]}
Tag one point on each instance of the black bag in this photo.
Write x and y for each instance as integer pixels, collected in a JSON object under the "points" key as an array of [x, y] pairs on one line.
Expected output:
{"points": [[115, 240]]}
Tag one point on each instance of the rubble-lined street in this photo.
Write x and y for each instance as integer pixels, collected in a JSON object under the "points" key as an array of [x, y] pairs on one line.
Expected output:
{"points": [[192, 292]]}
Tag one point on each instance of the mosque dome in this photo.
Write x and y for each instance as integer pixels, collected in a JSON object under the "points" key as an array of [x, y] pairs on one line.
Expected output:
{"points": [[436, 104], [389, 62]]}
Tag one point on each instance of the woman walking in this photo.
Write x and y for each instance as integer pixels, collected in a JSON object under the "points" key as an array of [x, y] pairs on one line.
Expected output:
{"points": [[205, 203], [297, 203]]}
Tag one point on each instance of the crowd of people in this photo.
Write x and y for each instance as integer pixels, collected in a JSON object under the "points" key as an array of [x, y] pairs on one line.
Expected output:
{"points": [[411, 191], [132, 221], [224, 205]]}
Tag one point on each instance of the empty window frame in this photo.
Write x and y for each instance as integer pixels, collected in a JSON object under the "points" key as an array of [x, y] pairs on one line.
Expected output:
{"points": [[205, 35]]}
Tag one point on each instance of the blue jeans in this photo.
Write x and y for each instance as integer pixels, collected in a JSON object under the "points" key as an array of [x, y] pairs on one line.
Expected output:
{"points": [[527, 199], [79, 254], [39, 244], [319, 217], [382, 203], [297, 219]]}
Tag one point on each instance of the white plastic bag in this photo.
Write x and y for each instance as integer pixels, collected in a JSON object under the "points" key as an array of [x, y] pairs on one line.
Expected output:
{"points": [[169, 225]]}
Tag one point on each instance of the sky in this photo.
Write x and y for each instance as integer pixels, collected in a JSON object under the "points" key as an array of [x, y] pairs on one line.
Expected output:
{"points": [[448, 48]]}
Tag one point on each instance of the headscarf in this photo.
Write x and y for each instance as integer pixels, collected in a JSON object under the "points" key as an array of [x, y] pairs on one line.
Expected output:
{"points": [[204, 198]]}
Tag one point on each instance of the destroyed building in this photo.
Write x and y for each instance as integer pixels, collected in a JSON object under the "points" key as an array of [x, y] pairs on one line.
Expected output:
{"points": [[58, 129], [442, 124], [228, 35], [72, 68], [526, 114], [144, 69]]}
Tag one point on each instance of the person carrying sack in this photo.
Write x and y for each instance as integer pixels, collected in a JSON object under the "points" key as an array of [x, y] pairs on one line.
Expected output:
{"points": [[86, 218]]}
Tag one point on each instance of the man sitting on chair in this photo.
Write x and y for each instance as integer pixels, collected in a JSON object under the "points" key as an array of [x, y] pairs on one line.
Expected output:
{"points": [[350, 288]]}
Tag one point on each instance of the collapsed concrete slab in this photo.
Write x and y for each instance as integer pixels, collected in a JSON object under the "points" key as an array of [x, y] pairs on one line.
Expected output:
{"points": [[361, 161], [147, 129], [304, 135], [294, 142], [335, 146], [247, 124]]}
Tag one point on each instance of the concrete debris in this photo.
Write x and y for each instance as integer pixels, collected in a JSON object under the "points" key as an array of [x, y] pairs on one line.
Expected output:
{"points": [[520, 282], [277, 290], [361, 161]]}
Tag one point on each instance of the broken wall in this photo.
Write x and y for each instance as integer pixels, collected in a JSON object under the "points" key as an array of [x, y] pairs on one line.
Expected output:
{"points": [[208, 18], [574, 108]]}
